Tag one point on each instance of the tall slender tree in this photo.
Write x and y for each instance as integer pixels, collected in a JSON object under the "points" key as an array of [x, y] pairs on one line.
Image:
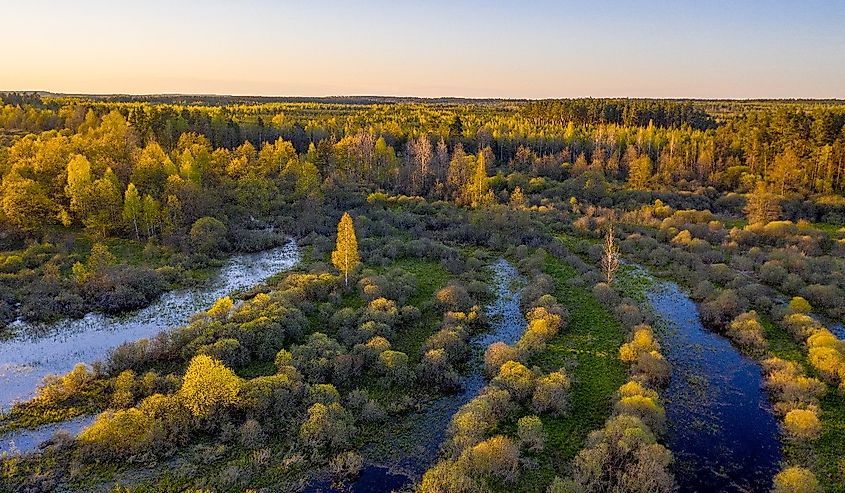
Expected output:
{"points": [[345, 256], [610, 256], [132, 207]]}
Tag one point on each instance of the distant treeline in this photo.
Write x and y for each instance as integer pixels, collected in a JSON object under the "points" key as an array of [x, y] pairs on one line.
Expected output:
{"points": [[627, 112]]}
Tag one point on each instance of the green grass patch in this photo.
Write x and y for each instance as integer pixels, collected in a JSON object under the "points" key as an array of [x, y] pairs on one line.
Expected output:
{"points": [[831, 229], [824, 456], [431, 276]]}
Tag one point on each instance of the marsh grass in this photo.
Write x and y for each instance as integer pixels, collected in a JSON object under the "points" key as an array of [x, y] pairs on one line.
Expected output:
{"points": [[588, 349]]}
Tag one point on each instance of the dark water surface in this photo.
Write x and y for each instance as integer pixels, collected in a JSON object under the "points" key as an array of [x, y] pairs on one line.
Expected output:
{"points": [[412, 445], [722, 430]]}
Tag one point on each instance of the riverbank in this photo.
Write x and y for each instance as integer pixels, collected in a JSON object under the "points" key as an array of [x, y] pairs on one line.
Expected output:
{"points": [[38, 351]]}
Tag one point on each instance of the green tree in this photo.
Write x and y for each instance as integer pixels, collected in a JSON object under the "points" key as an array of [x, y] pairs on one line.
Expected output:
{"points": [[639, 172], [517, 199], [208, 236], [150, 214], [456, 128], [106, 207], [78, 189], [132, 208], [786, 172], [762, 206], [477, 189], [24, 203], [345, 255]]}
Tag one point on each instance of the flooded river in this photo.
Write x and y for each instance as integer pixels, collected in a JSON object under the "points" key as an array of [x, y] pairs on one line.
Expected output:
{"points": [[37, 351], [722, 430]]}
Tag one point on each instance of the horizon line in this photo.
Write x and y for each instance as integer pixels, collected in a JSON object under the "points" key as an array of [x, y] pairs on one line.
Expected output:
{"points": [[42, 92]]}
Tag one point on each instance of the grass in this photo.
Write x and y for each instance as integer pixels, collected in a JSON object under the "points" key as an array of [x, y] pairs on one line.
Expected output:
{"points": [[431, 276], [831, 229], [587, 348], [824, 455]]}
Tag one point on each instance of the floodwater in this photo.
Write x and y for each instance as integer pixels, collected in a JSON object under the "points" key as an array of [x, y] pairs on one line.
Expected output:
{"points": [[413, 444], [721, 428], [23, 441], [39, 350]]}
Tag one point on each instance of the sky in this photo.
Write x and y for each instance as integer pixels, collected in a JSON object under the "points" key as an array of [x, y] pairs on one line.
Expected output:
{"points": [[507, 49]]}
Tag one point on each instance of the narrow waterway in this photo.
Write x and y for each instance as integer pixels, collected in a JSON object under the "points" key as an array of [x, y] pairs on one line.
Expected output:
{"points": [[412, 445], [37, 351], [722, 431]]}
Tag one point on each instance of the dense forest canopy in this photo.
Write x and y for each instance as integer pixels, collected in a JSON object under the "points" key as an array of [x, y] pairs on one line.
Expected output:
{"points": [[172, 171]]}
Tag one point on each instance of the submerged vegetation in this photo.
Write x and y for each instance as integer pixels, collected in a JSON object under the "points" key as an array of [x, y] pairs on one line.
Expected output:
{"points": [[405, 212]]}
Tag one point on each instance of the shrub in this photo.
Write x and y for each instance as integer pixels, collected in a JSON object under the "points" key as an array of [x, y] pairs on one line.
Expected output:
{"points": [[251, 434], [605, 294], [394, 367], [791, 389], [628, 314], [515, 378], [800, 325], [208, 236], [825, 295], [746, 330], [324, 393], [434, 368], [561, 485], [551, 393], [124, 389], [723, 308], [531, 433], [454, 297], [447, 476], [346, 465], [120, 433], [498, 354], [828, 361], [796, 480], [497, 457], [651, 368], [381, 310], [208, 385], [274, 397], [228, 351], [283, 359], [327, 427], [642, 341], [802, 424], [799, 305], [319, 358], [452, 340], [637, 400], [623, 456]]}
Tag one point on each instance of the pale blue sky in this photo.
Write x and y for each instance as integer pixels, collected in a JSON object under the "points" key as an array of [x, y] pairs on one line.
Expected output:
{"points": [[646, 48]]}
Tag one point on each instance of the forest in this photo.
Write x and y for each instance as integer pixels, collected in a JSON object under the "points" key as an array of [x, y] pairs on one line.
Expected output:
{"points": [[374, 294]]}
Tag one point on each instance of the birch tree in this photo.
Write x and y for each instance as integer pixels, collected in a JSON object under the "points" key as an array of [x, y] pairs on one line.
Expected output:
{"points": [[345, 256]]}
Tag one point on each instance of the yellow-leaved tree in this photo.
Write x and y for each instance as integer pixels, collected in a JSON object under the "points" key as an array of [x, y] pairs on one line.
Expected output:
{"points": [[345, 255], [208, 384]]}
